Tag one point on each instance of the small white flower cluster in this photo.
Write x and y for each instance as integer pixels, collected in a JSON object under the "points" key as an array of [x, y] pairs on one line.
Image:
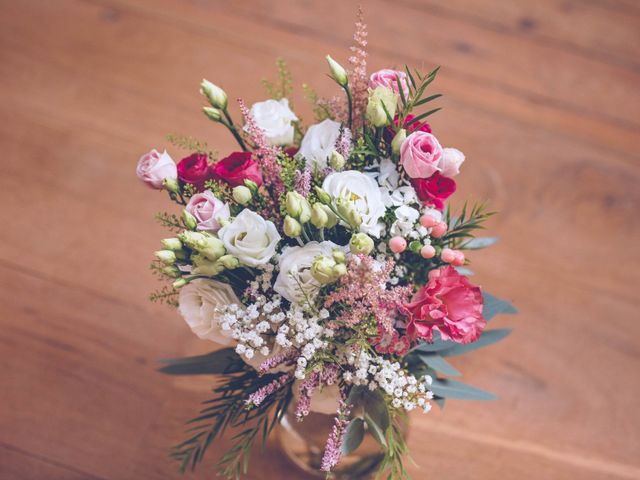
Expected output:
{"points": [[303, 331], [407, 391]]}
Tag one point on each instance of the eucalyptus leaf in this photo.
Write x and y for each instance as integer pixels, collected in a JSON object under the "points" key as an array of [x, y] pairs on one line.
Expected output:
{"points": [[436, 345], [488, 337], [220, 361], [440, 401], [376, 430], [464, 271], [439, 364], [353, 436], [479, 242], [494, 306], [448, 388]]}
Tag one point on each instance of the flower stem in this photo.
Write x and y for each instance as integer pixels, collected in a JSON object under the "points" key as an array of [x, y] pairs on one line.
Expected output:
{"points": [[350, 105], [234, 131]]}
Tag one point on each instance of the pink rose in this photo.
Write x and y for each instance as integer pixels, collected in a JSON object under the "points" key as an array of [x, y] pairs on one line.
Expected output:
{"points": [[450, 304], [389, 78], [420, 155], [208, 210], [434, 190], [154, 167]]}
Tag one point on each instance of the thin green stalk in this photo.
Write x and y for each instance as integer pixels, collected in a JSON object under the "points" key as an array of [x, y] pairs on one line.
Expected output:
{"points": [[234, 131]]}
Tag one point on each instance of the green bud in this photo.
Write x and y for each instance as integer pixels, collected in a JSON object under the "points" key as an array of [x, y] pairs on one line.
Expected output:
{"points": [[346, 210], [338, 256], [229, 261], [338, 73], [375, 112], [322, 270], [242, 194], [210, 269], [332, 218], [216, 96], [298, 207], [167, 257], [193, 240], [171, 185], [354, 219], [212, 113], [189, 220], [319, 217], [291, 227], [398, 140], [340, 269], [336, 161], [251, 185], [415, 246], [323, 196], [213, 249], [172, 271], [171, 244], [361, 243], [179, 283]]}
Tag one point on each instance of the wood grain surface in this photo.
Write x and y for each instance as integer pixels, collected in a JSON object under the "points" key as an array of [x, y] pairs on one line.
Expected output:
{"points": [[544, 99]]}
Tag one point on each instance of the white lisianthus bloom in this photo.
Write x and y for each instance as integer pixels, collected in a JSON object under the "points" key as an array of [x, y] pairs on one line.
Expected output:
{"points": [[406, 220], [294, 281], [250, 238], [275, 118], [404, 195], [201, 302], [319, 143], [450, 162], [363, 193], [389, 175]]}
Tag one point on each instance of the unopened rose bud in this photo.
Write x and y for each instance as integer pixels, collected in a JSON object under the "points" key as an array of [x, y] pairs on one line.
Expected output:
{"points": [[291, 227], [171, 185], [179, 283], [338, 256], [338, 73], [189, 220], [229, 262], [398, 140], [361, 243], [171, 244], [375, 112], [242, 194], [167, 257], [172, 271], [336, 161], [216, 96], [323, 196], [319, 217], [322, 270], [212, 113], [340, 269], [251, 185]]}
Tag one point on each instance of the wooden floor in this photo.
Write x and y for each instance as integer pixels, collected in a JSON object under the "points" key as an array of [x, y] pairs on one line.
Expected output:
{"points": [[544, 98]]}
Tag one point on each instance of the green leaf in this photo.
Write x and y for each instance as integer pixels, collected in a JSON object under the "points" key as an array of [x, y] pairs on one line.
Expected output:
{"points": [[487, 338], [440, 401], [448, 388], [421, 116], [464, 271], [427, 99], [439, 364], [436, 345], [353, 436], [376, 430], [376, 407], [220, 361], [479, 242], [494, 306]]}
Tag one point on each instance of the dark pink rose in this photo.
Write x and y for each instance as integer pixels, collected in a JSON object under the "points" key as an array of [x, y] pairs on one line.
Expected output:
{"points": [[450, 304], [434, 190], [389, 78], [194, 169], [236, 168]]}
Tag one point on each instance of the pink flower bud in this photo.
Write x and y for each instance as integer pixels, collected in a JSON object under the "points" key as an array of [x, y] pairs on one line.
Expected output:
{"points": [[427, 221], [439, 229], [397, 244], [428, 252], [458, 261], [448, 255]]}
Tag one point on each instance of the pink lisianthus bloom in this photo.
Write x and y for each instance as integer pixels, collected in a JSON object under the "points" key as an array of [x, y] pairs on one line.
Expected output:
{"points": [[154, 167], [208, 210], [434, 190], [389, 78], [236, 168], [448, 303], [420, 155]]}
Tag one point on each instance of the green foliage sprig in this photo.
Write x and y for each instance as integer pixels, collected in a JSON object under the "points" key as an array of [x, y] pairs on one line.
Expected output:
{"points": [[191, 144], [282, 87]]}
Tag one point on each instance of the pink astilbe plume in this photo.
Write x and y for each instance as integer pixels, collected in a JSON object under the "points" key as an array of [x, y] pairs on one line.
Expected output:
{"points": [[327, 376], [302, 181], [335, 107], [333, 449], [266, 154], [358, 80], [257, 397], [363, 289], [343, 144], [284, 358]]}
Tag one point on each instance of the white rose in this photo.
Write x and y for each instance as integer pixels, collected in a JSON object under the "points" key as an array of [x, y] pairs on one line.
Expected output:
{"points": [[364, 194], [275, 118], [294, 281], [406, 220], [450, 162], [319, 143], [250, 238], [200, 304]]}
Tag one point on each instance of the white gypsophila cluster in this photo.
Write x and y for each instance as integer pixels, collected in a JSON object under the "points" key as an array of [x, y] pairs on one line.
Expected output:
{"points": [[303, 331], [376, 372]]}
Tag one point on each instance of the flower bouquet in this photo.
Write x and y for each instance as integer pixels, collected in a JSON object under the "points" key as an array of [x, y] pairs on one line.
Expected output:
{"points": [[324, 261]]}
